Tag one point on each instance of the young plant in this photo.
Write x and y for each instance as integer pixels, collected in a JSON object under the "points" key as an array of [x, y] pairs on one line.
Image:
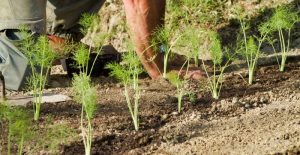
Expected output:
{"points": [[19, 125], [191, 43], [251, 54], [85, 94], [95, 42], [247, 47], [162, 38], [128, 73], [177, 81], [281, 22], [215, 81], [40, 56]]}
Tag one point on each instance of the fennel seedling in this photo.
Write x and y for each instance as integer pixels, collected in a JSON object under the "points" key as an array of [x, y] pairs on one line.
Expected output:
{"points": [[282, 22], [89, 23], [162, 39], [40, 56], [191, 43], [85, 94], [175, 79], [216, 81], [128, 73]]}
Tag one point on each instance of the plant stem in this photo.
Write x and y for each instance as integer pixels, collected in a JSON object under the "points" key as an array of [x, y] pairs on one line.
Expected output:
{"points": [[37, 112], [180, 94], [126, 93], [215, 94], [283, 61], [251, 75], [9, 138], [21, 145], [215, 84], [89, 138], [166, 57], [196, 61], [82, 129], [283, 50], [136, 111], [98, 54]]}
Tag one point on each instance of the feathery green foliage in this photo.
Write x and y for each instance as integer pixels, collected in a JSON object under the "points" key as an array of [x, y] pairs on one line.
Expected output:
{"points": [[19, 126], [87, 21], [128, 73], [56, 135], [162, 42], [179, 83], [40, 56], [248, 48], [215, 81], [82, 53], [215, 48], [81, 56], [191, 43], [85, 94], [251, 53], [282, 22], [83, 90]]}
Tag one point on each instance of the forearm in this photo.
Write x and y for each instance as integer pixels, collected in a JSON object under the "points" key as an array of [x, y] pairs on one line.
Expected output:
{"points": [[143, 17]]}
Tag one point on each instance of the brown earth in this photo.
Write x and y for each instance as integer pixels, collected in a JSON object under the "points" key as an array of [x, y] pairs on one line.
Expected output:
{"points": [[263, 118]]}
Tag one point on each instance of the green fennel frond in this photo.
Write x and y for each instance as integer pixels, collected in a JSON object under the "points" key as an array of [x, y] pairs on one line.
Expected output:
{"points": [[119, 72], [81, 56], [89, 99], [86, 21], [215, 48]]}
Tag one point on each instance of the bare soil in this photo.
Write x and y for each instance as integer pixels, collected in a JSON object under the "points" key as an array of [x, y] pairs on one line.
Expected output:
{"points": [[263, 118]]}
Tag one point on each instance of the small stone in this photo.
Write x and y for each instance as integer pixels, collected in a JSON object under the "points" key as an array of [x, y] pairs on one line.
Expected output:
{"points": [[193, 116], [223, 102], [175, 113], [247, 106], [234, 100], [164, 117], [118, 85]]}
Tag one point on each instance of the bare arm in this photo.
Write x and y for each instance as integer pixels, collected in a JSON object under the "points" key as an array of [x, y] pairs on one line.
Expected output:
{"points": [[143, 16]]}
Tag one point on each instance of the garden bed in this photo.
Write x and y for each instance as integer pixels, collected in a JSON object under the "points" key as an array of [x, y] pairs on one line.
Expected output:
{"points": [[262, 118], [240, 119]]}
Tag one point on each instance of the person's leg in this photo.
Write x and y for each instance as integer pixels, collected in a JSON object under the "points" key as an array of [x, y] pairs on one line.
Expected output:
{"points": [[16, 13], [143, 17]]}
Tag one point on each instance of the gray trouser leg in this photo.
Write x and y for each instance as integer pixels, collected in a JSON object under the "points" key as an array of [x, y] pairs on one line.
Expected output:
{"points": [[13, 64], [64, 14], [15, 13]]}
